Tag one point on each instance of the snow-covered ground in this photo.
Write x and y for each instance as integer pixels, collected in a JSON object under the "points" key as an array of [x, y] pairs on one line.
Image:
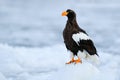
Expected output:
{"points": [[21, 63], [31, 43]]}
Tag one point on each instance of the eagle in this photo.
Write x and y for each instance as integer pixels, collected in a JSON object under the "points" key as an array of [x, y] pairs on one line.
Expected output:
{"points": [[77, 41]]}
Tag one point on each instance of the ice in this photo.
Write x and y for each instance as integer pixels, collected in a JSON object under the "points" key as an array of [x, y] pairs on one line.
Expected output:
{"points": [[83, 71], [48, 63]]}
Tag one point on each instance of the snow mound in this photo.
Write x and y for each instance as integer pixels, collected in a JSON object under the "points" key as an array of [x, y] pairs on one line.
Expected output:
{"points": [[48, 63], [84, 71]]}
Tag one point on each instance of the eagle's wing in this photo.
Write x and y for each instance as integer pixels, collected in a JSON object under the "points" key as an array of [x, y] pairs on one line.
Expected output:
{"points": [[85, 43]]}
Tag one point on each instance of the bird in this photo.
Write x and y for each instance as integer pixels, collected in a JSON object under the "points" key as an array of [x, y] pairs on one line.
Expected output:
{"points": [[77, 41]]}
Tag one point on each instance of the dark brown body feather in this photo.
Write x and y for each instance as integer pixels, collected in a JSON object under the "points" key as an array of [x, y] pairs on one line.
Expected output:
{"points": [[73, 28]]}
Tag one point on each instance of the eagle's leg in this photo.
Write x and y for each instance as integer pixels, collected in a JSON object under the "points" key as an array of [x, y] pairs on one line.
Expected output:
{"points": [[78, 60], [71, 61]]}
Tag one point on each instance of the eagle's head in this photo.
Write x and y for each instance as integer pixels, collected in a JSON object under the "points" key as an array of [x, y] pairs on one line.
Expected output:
{"points": [[69, 13]]}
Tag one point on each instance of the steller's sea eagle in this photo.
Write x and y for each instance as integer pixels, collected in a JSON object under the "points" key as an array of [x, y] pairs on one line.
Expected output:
{"points": [[77, 40]]}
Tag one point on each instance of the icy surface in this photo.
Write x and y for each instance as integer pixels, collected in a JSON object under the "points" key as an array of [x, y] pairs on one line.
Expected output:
{"points": [[20, 63], [31, 43]]}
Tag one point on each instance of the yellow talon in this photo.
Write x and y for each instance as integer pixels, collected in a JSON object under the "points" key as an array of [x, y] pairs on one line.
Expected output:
{"points": [[70, 61], [76, 61]]}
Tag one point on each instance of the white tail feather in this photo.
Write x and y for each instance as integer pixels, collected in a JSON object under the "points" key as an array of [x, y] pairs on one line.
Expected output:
{"points": [[92, 58]]}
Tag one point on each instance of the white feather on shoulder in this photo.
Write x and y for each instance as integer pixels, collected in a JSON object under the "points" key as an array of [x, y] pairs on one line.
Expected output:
{"points": [[80, 36]]}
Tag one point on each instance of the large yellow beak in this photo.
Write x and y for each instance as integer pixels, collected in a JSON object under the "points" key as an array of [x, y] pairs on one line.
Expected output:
{"points": [[64, 13]]}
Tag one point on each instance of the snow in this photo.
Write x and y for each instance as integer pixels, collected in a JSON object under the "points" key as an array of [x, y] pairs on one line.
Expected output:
{"points": [[48, 63], [31, 43], [84, 71]]}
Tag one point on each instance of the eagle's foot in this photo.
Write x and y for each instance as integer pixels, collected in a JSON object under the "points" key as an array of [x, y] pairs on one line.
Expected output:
{"points": [[78, 61], [75, 61], [71, 61]]}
